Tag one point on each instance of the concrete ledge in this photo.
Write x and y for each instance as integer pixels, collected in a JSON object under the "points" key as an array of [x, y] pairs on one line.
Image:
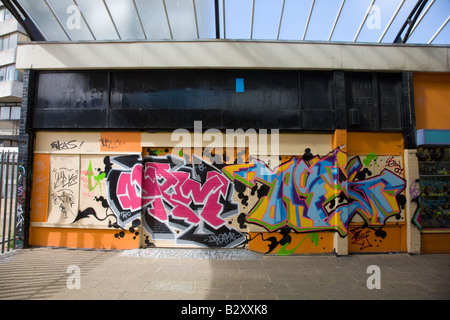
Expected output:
{"points": [[225, 54]]}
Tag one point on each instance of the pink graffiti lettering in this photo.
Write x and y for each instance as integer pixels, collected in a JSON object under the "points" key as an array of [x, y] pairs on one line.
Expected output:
{"points": [[129, 188], [165, 191], [178, 190]]}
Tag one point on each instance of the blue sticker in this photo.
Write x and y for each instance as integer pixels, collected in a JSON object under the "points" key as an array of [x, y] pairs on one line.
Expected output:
{"points": [[239, 85]]}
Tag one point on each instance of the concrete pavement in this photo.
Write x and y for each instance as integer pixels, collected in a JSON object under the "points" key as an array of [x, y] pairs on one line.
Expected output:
{"points": [[189, 274]]}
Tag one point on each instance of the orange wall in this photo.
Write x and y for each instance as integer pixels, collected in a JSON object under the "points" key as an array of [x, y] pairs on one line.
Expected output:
{"points": [[361, 238], [81, 238], [432, 100], [381, 143], [436, 242], [316, 242], [93, 233]]}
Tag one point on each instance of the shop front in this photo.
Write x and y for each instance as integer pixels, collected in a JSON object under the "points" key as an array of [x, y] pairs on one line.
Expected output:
{"points": [[278, 162], [430, 191]]}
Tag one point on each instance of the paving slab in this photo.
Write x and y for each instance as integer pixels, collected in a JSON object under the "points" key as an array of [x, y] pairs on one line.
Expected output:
{"points": [[197, 274]]}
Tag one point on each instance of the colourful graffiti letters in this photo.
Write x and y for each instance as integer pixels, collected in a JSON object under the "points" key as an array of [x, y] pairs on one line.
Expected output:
{"points": [[129, 188], [178, 190], [171, 194], [190, 202], [124, 187], [319, 194], [193, 198]]}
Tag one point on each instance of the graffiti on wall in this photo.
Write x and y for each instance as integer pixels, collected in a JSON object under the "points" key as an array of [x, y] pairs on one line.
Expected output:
{"points": [[284, 242], [180, 201], [189, 200], [189, 203], [322, 193], [64, 189], [19, 227]]}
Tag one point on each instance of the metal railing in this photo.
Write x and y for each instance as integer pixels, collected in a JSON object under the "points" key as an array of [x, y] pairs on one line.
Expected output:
{"points": [[9, 191]]}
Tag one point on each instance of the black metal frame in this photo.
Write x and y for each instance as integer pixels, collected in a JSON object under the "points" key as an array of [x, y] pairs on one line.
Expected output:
{"points": [[411, 21]]}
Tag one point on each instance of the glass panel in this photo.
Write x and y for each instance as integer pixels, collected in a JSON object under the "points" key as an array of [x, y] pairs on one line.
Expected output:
{"points": [[10, 72], [435, 17], [70, 17], [2, 14], [182, 19], [15, 113], [398, 21], [377, 20], [97, 17], [44, 19], [5, 42], [434, 170], [238, 16], [324, 15], [13, 41], [5, 113], [294, 19], [18, 76], [8, 14], [126, 19], [266, 19], [206, 19], [443, 37], [3, 74], [153, 18], [350, 20]]}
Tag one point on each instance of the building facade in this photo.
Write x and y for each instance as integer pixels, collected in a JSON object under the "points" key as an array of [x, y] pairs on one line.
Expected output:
{"points": [[279, 148], [10, 79]]}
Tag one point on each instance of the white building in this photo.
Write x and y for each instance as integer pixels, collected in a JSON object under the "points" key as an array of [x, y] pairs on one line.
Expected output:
{"points": [[11, 32]]}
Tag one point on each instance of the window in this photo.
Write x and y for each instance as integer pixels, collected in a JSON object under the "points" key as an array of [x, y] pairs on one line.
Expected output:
{"points": [[9, 112], [5, 113], [5, 14], [8, 14], [15, 113], [18, 76], [9, 41], [3, 74], [13, 40], [5, 43], [434, 171], [8, 73]]}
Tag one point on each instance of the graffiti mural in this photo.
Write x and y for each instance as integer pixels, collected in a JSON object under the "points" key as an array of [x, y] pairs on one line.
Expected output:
{"points": [[124, 187], [320, 193], [189, 202], [180, 201], [166, 199]]}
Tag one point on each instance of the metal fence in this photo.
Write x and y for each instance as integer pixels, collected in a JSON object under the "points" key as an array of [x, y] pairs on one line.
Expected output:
{"points": [[9, 190]]}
